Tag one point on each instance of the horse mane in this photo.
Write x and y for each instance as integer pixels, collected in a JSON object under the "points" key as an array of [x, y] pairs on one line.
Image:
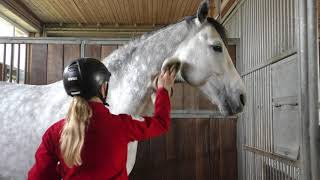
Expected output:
{"points": [[125, 52], [211, 21]]}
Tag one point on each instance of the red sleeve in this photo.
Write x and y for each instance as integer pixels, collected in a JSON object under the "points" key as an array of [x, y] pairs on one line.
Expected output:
{"points": [[45, 159], [151, 126]]}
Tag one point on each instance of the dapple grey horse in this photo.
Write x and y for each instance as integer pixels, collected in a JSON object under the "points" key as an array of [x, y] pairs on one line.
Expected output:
{"points": [[197, 43]]}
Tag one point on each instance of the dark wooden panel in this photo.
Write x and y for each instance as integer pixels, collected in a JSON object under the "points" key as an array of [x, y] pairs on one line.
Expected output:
{"points": [[204, 168], [232, 49], [172, 140], [38, 66], [55, 63], [93, 51], [158, 155], [106, 50], [186, 149], [177, 98], [191, 97], [205, 104], [228, 153], [215, 148], [70, 53]]}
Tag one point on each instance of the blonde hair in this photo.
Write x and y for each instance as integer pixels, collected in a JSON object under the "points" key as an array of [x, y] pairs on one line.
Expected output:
{"points": [[73, 132]]}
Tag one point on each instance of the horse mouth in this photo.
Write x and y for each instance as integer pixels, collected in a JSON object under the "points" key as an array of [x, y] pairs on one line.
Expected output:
{"points": [[230, 108]]}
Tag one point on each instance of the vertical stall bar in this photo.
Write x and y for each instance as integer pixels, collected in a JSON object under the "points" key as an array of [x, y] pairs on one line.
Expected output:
{"points": [[26, 64], [11, 62], [18, 68], [4, 62]]}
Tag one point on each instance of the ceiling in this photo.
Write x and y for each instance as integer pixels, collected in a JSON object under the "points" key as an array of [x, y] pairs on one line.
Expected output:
{"points": [[121, 12]]}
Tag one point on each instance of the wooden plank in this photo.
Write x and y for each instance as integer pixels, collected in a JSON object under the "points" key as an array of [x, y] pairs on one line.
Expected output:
{"points": [[55, 63], [93, 51], [204, 169], [171, 150], [158, 155], [232, 49], [228, 152], [215, 148], [107, 49], [185, 149], [71, 52], [227, 5], [177, 98], [191, 97], [38, 66], [205, 103]]}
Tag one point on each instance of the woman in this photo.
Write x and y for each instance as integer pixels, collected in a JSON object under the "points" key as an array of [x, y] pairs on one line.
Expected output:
{"points": [[91, 143]]}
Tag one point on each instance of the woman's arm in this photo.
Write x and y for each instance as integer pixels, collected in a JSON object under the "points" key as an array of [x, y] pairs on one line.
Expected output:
{"points": [[160, 121]]}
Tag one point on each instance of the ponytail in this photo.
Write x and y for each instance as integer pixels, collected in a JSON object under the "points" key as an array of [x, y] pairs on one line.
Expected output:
{"points": [[73, 132]]}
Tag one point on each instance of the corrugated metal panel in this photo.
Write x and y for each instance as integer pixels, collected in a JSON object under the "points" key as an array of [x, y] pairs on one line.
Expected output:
{"points": [[266, 30]]}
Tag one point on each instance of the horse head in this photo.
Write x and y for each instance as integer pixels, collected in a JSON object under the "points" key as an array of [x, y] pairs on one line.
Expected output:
{"points": [[206, 63]]}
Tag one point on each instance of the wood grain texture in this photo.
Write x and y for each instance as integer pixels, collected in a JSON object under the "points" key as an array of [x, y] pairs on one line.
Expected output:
{"points": [[93, 51], [125, 12], [71, 52], [38, 64], [55, 63]]}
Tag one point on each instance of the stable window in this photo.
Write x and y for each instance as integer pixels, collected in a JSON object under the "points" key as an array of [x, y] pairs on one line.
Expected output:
{"points": [[12, 56]]}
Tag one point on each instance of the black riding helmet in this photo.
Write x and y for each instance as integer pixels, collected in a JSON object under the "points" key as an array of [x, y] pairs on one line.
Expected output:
{"points": [[84, 77]]}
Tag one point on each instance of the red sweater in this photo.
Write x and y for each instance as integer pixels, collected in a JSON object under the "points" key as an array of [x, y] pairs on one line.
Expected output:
{"points": [[104, 153]]}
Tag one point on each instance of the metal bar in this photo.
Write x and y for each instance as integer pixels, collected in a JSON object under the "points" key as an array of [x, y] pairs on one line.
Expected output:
{"points": [[312, 64], [270, 61], [271, 155], [11, 62], [26, 64], [18, 68], [4, 62], [308, 88], [82, 48], [181, 114], [64, 40]]}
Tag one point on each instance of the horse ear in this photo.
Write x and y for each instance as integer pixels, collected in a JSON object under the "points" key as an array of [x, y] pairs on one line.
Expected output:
{"points": [[203, 11], [175, 63]]}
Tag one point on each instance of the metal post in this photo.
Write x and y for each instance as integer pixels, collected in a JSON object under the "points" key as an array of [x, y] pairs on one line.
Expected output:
{"points": [[313, 76], [11, 62], [4, 62], [82, 48], [18, 68], [26, 63], [309, 89]]}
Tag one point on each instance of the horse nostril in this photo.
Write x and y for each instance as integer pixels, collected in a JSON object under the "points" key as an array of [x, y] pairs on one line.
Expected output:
{"points": [[242, 99]]}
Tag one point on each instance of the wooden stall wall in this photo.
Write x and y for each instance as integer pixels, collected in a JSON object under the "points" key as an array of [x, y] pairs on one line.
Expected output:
{"points": [[193, 149], [47, 61]]}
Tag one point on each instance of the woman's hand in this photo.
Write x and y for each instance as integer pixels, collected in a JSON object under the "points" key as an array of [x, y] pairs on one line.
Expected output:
{"points": [[167, 78]]}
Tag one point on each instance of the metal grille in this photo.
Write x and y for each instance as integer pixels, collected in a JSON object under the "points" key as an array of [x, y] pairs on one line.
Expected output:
{"points": [[266, 30]]}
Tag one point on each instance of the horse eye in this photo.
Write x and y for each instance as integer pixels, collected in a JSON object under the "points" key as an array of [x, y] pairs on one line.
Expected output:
{"points": [[217, 48]]}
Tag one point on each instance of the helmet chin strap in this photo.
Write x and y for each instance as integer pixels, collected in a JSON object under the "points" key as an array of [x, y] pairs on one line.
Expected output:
{"points": [[104, 99]]}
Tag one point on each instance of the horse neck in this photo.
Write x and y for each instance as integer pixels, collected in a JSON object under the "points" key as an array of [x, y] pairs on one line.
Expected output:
{"points": [[154, 46], [133, 65]]}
